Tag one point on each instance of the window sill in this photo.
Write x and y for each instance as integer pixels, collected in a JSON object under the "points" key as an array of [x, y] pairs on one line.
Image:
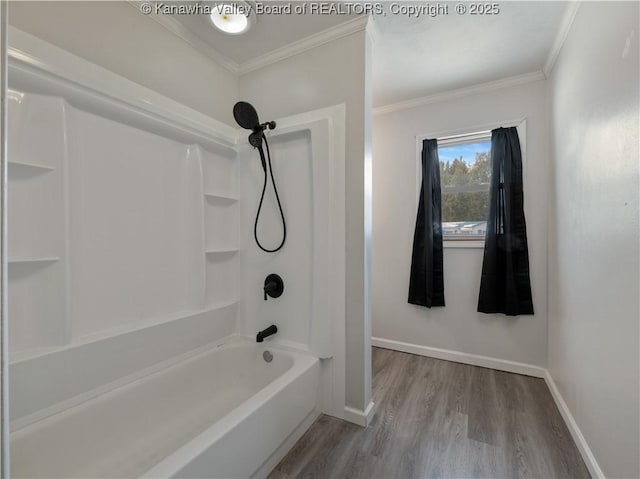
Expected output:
{"points": [[473, 244]]}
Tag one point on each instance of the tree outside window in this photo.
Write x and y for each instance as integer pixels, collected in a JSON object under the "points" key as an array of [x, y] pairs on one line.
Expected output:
{"points": [[465, 171]]}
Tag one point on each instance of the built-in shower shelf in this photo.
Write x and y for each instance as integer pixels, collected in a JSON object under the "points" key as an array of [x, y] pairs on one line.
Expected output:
{"points": [[221, 251], [51, 259], [220, 198], [30, 166]]}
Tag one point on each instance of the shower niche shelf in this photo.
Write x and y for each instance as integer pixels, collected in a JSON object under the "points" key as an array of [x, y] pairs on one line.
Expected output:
{"points": [[221, 213], [218, 198], [35, 213], [52, 259], [36, 244], [34, 167], [221, 224], [219, 175], [227, 251], [36, 324]]}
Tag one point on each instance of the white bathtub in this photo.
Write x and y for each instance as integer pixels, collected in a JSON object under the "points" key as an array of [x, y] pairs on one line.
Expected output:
{"points": [[222, 414]]}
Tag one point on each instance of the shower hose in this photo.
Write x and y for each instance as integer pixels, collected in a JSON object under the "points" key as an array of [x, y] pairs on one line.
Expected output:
{"points": [[264, 189]]}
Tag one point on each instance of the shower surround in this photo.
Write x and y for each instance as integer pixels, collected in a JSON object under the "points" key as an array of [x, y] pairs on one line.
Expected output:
{"points": [[131, 257]]}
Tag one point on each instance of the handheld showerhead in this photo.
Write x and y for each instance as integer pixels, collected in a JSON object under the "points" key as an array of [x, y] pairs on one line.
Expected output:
{"points": [[246, 115]]}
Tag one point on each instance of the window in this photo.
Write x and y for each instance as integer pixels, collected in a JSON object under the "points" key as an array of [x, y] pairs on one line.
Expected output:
{"points": [[465, 173], [464, 225]]}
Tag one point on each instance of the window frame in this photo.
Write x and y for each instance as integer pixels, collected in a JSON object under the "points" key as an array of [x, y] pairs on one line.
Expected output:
{"points": [[466, 135]]}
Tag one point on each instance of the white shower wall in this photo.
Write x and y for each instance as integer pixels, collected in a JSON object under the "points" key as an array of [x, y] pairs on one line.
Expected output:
{"points": [[111, 224], [292, 165], [135, 225], [124, 217], [307, 160]]}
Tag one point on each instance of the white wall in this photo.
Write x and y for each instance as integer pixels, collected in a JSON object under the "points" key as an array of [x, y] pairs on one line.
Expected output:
{"points": [[593, 231], [457, 326], [117, 37], [327, 75]]}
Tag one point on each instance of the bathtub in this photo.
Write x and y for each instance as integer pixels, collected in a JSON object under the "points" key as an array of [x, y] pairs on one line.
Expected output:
{"points": [[222, 413]]}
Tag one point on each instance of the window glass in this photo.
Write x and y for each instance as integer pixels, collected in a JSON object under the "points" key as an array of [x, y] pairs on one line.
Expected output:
{"points": [[465, 171]]}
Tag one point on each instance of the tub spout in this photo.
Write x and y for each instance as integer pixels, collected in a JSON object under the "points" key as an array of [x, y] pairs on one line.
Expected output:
{"points": [[271, 330]]}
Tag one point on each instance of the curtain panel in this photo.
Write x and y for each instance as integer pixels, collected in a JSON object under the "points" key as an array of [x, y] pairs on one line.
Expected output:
{"points": [[505, 285], [426, 284]]}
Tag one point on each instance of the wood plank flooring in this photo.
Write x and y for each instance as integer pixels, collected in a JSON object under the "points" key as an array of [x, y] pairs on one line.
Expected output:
{"points": [[440, 419]]}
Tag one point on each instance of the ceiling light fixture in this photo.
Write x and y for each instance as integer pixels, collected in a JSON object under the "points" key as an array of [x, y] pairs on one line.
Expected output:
{"points": [[233, 18]]}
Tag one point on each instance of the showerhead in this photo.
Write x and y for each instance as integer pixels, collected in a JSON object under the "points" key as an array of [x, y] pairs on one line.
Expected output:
{"points": [[246, 115]]}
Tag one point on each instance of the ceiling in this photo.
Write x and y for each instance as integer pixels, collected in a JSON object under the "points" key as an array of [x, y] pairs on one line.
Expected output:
{"points": [[412, 56], [425, 56], [270, 31]]}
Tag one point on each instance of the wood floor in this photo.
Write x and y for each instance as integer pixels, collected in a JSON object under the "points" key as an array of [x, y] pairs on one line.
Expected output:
{"points": [[441, 419]]}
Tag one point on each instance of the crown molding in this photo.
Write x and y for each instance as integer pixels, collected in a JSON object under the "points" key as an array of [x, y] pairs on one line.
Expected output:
{"points": [[312, 41], [461, 92], [325, 36], [373, 30], [179, 30], [565, 25]]}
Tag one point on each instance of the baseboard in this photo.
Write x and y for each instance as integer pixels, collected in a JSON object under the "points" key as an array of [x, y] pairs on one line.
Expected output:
{"points": [[358, 416], [581, 442], [460, 357], [369, 412]]}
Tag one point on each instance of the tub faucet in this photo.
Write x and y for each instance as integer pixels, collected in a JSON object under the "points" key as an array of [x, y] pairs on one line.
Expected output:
{"points": [[265, 333]]}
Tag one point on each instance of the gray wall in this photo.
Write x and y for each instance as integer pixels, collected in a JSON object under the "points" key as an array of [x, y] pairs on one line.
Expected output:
{"points": [[593, 231], [458, 326]]}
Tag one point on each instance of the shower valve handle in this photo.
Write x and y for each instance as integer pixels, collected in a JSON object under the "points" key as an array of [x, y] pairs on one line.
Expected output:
{"points": [[273, 286]]}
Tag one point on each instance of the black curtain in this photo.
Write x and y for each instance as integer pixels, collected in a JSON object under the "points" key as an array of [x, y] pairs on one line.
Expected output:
{"points": [[505, 286], [426, 285]]}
